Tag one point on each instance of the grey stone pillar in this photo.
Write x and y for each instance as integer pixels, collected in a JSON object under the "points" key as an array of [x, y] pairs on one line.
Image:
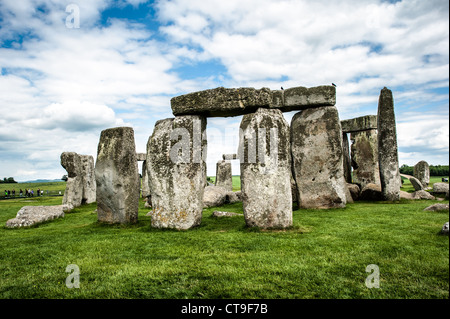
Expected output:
{"points": [[73, 195], [317, 155], [364, 152], [89, 184], [117, 177], [387, 147], [145, 181], [176, 166], [265, 163], [224, 176], [422, 173]]}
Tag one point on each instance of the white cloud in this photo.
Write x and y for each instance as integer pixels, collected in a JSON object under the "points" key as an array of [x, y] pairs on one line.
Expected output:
{"points": [[71, 83]]}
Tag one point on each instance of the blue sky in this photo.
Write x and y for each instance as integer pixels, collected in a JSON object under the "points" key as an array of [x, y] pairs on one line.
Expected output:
{"points": [[61, 86]]}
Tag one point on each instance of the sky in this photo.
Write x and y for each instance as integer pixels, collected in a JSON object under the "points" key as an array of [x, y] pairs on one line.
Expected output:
{"points": [[70, 69]]}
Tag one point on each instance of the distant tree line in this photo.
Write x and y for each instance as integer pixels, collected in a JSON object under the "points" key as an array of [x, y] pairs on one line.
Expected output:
{"points": [[435, 170], [8, 180]]}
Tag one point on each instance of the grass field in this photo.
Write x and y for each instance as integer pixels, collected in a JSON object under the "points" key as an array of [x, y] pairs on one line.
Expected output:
{"points": [[324, 255]]}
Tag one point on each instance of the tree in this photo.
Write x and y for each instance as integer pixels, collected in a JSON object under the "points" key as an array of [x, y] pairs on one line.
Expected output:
{"points": [[64, 178]]}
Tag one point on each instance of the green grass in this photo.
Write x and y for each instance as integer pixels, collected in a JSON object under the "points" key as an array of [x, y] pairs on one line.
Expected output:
{"points": [[324, 255]]}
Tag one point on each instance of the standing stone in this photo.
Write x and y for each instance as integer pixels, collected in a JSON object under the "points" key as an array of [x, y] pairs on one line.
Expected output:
{"points": [[317, 156], [387, 147], [80, 186], [88, 176], [117, 176], [347, 160], [265, 162], [422, 173], [73, 194], [364, 152], [145, 181], [176, 166], [224, 177]]}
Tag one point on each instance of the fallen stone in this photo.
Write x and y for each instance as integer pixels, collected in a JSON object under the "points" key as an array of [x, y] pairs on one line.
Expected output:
{"points": [[117, 177], [440, 188], [422, 173], [317, 157], [32, 215], [437, 207], [225, 102], [416, 183], [421, 194], [406, 195], [358, 124], [371, 192], [354, 191], [387, 147], [364, 158], [176, 154], [214, 196], [225, 214], [224, 176], [265, 164]]}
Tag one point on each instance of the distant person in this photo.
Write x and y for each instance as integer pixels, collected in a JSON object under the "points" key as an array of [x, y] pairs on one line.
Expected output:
{"points": [[38, 193], [9, 193], [14, 193], [21, 192]]}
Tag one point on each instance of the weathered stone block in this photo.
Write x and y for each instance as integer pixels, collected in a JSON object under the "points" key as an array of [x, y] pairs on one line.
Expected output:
{"points": [[362, 123], [232, 102], [145, 181], [422, 173], [221, 102], [416, 183], [31, 215], [300, 98], [229, 156], [88, 179], [387, 147], [80, 186], [364, 158], [265, 163], [176, 154], [224, 176], [317, 157], [73, 194], [141, 157], [217, 196], [117, 177]]}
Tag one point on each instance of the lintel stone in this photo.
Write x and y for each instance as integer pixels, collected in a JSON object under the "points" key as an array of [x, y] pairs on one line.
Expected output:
{"points": [[362, 123], [224, 102]]}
